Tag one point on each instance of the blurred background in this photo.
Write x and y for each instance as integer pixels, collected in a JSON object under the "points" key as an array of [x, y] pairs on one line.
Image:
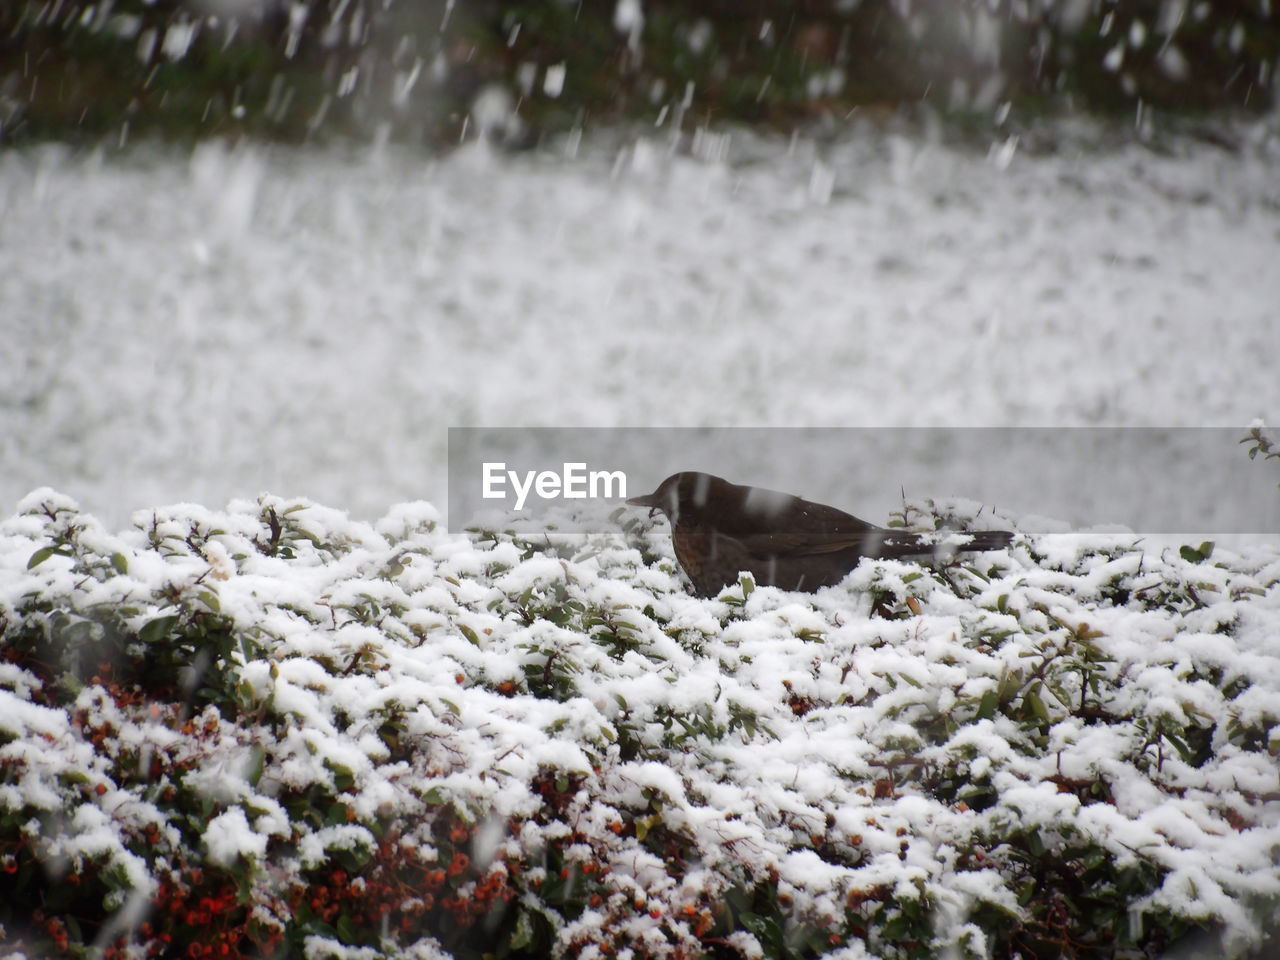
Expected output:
{"points": [[251, 245], [413, 69]]}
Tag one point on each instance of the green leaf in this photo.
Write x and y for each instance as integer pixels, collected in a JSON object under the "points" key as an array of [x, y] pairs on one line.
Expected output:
{"points": [[1008, 686], [335, 815], [1059, 693], [897, 928], [736, 898], [1178, 744], [816, 941], [72, 682], [120, 562], [987, 706], [1197, 554], [158, 628], [469, 634], [1036, 704], [210, 600], [522, 937], [44, 553], [257, 763], [73, 929], [346, 930], [343, 778]]}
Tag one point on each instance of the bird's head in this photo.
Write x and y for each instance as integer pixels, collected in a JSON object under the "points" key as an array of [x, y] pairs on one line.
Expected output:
{"points": [[683, 494]]}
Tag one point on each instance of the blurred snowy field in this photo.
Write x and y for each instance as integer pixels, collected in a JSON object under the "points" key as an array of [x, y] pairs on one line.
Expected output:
{"points": [[198, 326]]}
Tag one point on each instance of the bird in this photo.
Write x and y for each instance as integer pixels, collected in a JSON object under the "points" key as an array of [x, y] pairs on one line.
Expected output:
{"points": [[720, 529]]}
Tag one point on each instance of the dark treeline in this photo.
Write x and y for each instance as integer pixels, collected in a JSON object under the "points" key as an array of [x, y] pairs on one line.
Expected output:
{"points": [[413, 69]]}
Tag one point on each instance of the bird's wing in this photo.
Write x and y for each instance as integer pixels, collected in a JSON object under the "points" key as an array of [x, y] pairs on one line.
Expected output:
{"points": [[872, 542], [814, 529], [787, 515]]}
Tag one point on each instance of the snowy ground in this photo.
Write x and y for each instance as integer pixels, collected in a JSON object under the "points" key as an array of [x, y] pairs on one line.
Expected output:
{"points": [[200, 326]]}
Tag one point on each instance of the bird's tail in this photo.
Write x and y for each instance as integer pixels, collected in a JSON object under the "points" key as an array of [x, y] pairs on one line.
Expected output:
{"points": [[987, 540], [941, 544]]}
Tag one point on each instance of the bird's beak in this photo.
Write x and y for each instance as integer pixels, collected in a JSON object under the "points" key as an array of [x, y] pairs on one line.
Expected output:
{"points": [[649, 500]]}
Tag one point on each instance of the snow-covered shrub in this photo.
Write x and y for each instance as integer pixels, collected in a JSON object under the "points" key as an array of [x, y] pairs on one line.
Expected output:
{"points": [[271, 730]]}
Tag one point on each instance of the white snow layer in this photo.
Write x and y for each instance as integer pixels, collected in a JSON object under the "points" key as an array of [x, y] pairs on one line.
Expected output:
{"points": [[210, 325], [780, 736]]}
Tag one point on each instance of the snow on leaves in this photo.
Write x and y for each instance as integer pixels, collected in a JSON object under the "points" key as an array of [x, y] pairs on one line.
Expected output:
{"points": [[271, 728]]}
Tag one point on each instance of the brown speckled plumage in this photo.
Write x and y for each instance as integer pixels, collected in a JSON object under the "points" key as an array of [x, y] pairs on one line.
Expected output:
{"points": [[720, 529]]}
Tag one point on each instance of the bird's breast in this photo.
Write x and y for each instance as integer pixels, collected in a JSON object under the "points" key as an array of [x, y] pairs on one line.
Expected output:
{"points": [[694, 546], [711, 559]]}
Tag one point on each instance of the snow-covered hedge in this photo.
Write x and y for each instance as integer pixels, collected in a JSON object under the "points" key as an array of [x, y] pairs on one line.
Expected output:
{"points": [[273, 730]]}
